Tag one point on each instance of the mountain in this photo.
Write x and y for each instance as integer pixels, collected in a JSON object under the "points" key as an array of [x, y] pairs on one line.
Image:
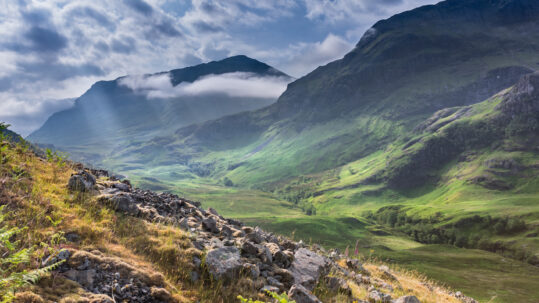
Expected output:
{"points": [[124, 110], [404, 69], [10, 135]]}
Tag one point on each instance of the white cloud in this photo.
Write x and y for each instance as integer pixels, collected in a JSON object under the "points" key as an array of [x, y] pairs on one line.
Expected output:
{"points": [[311, 55], [238, 84]]}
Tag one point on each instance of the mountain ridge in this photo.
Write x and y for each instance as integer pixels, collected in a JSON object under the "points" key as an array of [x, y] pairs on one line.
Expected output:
{"points": [[112, 111]]}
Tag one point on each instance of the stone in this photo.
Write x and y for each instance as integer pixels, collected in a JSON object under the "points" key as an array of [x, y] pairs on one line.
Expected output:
{"points": [[226, 231], [62, 255], [255, 237], [83, 277], [184, 223], [249, 248], [307, 267], [209, 224], [286, 276], [83, 181], [274, 282], [224, 263], [407, 299], [213, 212], [194, 276], [376, 296], [72, 236], [121, 202], [301, 294], [161, 294], [265, 255], [354, 265], [337, 284], [252, 270], [122, 186]]}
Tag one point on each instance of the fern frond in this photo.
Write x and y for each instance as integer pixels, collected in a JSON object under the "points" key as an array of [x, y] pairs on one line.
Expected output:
{"points": [[35, 275]]}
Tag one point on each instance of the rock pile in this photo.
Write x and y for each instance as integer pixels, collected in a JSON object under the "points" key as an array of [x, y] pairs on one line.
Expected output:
{"points": [[273, 262]]}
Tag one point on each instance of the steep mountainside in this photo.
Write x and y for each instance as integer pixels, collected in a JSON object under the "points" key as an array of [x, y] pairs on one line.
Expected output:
{"points": [[121, 111], [404, 69]]}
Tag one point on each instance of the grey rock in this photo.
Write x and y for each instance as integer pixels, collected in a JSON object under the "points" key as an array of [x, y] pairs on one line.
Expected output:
{"points": [[274, 282], [249, 248], [194, 276], [337, 284], [213, 211], [209, 224], [407, 299], [184, 223], [62, 255], [255, 237], [223, 263], [301, 294], [122, 202], [376, 296], [307, 267], [72, 237], [122, 186], [252, 269], [226, 231], [83, 181]]}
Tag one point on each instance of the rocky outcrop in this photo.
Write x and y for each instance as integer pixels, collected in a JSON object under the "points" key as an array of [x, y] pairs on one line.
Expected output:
{"points": [[224, 262], [114, 279], [307, 267], [232, 251], [83, 181], [301, 294]]}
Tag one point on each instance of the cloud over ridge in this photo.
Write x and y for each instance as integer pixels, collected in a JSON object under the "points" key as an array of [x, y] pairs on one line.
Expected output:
{"points": [[237, 84]]}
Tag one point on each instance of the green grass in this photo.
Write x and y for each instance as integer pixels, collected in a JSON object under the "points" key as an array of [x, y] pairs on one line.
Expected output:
{"points": [[485, 276]]}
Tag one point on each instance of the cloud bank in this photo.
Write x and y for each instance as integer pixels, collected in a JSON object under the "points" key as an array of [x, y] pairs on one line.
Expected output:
{"points": [[238, 84]]}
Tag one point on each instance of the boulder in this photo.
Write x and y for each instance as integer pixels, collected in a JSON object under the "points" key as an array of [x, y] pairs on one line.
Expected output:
{"points": [[307, 267], [122, 202], [249, 248], [301, 294], [121, 186], [407, 299], [83, 181], [224, 263], [209, 224]]}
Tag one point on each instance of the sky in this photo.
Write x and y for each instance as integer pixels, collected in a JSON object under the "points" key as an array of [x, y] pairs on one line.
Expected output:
{"points": [[52, 51]]}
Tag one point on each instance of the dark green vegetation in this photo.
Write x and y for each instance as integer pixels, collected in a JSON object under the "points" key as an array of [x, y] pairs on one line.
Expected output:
{"points": [[419, 142]]}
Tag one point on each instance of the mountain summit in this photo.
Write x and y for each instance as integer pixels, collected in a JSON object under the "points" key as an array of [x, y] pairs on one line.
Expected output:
{"points": [[136, 107]]}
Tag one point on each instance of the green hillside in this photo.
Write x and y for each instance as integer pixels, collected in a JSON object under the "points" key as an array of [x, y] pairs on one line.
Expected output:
{"points": [[403, 70]]}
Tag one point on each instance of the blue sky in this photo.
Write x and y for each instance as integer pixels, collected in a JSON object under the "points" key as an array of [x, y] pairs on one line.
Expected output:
{"points": [[55, 49]]}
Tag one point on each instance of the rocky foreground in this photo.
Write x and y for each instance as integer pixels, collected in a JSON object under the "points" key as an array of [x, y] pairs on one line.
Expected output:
{"points": [[230, 250]]}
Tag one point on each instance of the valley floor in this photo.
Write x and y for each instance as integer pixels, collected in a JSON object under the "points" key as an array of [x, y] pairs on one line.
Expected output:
{"points": [[486, 276]]}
